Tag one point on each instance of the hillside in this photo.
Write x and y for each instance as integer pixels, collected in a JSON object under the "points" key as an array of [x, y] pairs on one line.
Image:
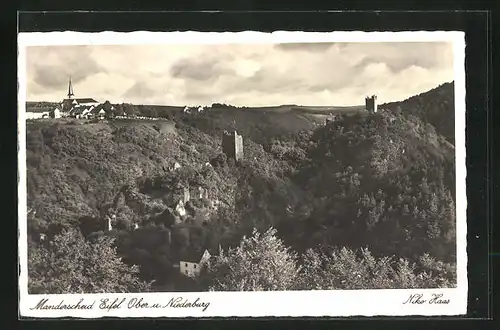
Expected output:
{"points": [[381, 181], [259, 124], [436, 107]]}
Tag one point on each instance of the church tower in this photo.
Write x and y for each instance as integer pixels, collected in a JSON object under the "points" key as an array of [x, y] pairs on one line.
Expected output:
{"points": [[70, 89], [67, 103]]}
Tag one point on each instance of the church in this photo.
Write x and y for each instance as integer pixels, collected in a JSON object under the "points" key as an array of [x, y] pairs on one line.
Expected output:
{"points": [[85, 108], [71, 103]]}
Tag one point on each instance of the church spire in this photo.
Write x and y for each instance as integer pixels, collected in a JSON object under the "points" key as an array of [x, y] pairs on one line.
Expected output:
{"points": [[70, 89]]}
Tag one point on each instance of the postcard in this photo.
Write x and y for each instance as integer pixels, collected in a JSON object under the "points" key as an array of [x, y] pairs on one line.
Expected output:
{"points": [[249, 174]]}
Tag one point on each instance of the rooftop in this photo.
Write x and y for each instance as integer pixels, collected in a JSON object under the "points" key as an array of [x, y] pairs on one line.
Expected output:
{"points": [[82, 100], [191, 255]]}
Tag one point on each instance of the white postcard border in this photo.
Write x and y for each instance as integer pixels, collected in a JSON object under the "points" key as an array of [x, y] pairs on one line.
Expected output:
{"points": [[250, 304]]}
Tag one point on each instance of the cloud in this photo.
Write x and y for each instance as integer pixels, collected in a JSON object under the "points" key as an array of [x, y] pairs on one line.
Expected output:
{"points": [[401, 56], [140, 90], [51, 67], [252, 74], [305, 47]]}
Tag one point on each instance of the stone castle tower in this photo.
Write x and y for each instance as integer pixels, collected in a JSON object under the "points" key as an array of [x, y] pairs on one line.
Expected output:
{"points": [[371, 103], [232, 145]]}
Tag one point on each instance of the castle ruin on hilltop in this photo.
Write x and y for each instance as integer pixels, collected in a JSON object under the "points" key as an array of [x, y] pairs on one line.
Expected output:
{"points": [[232, 145], [371, 103]]}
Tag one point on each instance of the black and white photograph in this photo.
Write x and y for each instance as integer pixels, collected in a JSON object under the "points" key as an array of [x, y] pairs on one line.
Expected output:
{"points": [[206, 174]]}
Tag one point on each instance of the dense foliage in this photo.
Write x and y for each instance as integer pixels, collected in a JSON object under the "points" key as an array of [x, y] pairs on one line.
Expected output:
{"points": [[261, 262], [346, 269], [381, 182], [40, 106], [436, 107], [71, 264]]}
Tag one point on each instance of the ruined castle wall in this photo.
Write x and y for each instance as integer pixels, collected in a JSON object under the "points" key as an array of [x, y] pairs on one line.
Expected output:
{"points": [[371, 104], [238, 150], [228, 145]]}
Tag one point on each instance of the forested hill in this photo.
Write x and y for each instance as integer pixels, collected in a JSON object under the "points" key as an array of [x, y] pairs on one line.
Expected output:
{"points": [[436, 107], [40, 106]]}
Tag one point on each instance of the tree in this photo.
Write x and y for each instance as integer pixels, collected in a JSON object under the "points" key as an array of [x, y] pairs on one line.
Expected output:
{"points": [[260, 263], [346, 269], [119, 110], [71, 264], [130, 109], [108, 107]]}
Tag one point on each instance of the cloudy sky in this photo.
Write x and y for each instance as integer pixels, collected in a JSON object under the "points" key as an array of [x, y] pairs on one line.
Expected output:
{"points": [[239, 74]]}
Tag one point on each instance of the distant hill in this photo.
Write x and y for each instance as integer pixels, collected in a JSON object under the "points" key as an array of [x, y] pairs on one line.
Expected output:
{"points": [[261, 124], [257, 123], [436, 107], [40, 106]]}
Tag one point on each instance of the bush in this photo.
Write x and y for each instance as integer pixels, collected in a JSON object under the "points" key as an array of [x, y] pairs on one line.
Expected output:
{"points": [[260, 263]]}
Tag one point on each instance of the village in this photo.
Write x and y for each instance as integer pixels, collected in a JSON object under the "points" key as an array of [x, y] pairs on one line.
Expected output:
{"points": [[80, 108], [89, 108]]}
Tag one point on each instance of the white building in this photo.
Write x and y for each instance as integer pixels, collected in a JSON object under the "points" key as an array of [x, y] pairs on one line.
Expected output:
{"points": [[37, 115], [97, 112], [55, 113], [190, 264], [180, 209], [176, 166], [69, 104]]}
